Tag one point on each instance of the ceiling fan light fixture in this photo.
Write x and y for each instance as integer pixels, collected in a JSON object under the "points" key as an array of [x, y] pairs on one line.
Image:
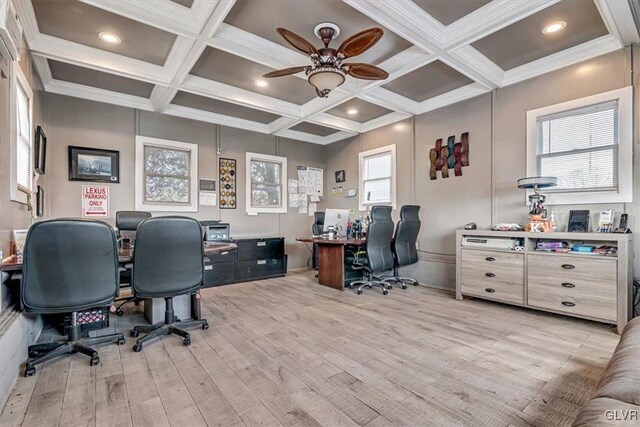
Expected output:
{"points": [[326, 79]]}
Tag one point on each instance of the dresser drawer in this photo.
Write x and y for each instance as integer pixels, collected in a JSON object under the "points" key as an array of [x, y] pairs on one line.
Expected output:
{"points": [[493, 275], [252, 249], [573, 285]]}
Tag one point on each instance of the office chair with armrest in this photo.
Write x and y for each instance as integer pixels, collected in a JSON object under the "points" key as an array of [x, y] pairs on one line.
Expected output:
{"points": [[379, 256], [404, 243], [317, 229], [70, 265], [127, 223], [169, 261]]}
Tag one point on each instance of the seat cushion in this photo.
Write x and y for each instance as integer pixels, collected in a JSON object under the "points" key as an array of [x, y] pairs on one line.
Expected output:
{"points": [[622, 376], [608, 412]]}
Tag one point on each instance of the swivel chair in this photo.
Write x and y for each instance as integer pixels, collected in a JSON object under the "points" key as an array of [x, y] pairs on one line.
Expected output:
{"points": [[404, 243], [378, 247], [169, 261], [317, 228], [70, 265], [127, 223]]}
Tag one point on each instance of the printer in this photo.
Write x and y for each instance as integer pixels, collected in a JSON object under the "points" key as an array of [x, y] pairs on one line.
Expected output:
{"points": [[215, 230]]}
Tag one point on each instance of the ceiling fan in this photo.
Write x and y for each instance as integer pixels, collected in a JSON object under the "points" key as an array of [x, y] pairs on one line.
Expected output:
{"points": [[327, 71]]}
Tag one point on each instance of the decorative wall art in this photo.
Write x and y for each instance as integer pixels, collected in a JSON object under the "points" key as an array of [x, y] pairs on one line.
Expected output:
{"points": [[93, 164], [227, 183], [451, 156], [341, 176]]}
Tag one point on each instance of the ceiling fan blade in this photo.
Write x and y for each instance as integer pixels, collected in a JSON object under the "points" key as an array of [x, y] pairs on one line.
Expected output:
{"points": [[298, 42], [360, 42], [366, 71], [285, 72]]}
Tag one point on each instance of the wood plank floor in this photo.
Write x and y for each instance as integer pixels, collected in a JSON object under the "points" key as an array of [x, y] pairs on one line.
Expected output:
{"points": [[290, 352]]}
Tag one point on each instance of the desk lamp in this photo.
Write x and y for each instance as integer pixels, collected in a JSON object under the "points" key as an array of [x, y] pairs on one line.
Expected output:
{"points": [[535, 183]]}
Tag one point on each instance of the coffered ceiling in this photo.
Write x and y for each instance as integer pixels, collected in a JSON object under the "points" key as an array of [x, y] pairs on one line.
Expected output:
{"points": [[201, 59]]}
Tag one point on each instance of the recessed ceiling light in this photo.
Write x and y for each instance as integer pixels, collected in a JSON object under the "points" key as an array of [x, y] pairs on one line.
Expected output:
{"points": [[352, 111], [109, 37], [554, 27], [261, 83]]}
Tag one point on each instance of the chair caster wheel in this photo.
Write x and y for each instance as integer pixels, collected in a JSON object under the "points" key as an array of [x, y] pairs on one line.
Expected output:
{"points": [[385, 292], [29, 372], [186, 341], [389, 287], [121, 341], [94, 361], [404, 286], [137, 348], [119, 312], [134, 334], [205, 326], [359, 292], [415, 284]]}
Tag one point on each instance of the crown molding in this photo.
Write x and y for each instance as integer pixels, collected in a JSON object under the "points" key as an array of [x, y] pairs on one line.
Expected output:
{"points": [[466, 92], [27, 17], [583, 52], [618, 18], [338, 136], [385, 120], [219, 119], [100, 95], [161, 96], [42, 68]]}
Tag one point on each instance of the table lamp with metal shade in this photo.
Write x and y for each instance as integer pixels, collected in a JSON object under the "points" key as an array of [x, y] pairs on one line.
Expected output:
{"points": [[535, 183]]}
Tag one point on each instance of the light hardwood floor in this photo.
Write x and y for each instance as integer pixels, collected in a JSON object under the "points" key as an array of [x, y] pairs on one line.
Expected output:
{"points": [[290, 352]]}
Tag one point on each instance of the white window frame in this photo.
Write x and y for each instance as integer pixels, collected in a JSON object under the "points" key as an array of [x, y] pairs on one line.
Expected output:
{"points": [[141, 142], [624, 193], [283, 184], [18, 193], [386, 149]]}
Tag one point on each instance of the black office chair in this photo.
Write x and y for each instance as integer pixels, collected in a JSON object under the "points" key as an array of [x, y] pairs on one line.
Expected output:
{"points": [[169, 261], [70, 265], [127, 223], [404, 243], [378, 247]]}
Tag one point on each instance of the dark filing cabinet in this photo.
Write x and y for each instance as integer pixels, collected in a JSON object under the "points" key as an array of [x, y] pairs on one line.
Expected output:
{"points": [[254, 259]]}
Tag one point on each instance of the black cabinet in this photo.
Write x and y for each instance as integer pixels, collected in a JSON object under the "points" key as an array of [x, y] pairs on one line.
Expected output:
{"points": [[254, 259]]}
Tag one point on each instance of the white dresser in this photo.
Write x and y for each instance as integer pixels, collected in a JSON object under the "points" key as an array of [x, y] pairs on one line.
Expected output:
{"points": [[594, 287]]}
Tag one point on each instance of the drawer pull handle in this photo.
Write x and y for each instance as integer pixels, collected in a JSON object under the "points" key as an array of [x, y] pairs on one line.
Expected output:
{"points": [[490, 290], [262, 262], [261, 243], [568, 303], [490, 258], [568, 285], [568, 266], [489, 274]]}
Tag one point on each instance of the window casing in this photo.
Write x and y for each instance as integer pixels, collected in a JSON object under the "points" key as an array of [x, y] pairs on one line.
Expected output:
{"points": [[166, 175], [378, 177], [266, 184], [587, 145], [21, 131]]}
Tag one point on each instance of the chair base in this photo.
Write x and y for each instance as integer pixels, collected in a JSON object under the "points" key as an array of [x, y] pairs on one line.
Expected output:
{"points": [[48, 351], [403, 281], [370, 284], [170, 326], [119, 310]]}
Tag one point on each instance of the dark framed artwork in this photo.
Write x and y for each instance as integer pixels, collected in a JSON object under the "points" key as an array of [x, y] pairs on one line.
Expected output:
{"points": [[228, 190], [341, 176], [40, 151], [40, 202], [93, 164]]}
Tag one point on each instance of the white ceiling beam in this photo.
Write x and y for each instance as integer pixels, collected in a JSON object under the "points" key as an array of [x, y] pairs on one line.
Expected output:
{"points": [[163, 14], [466, 92], [385, 120], [42, 68], [391, 100], [282, 123], [219, 119], [582, 52], [27, 17], [99, 95], [201, 11], [329, 120], [398, 65], [618, 18], [300, 136], [338, 136], [475, 64]]}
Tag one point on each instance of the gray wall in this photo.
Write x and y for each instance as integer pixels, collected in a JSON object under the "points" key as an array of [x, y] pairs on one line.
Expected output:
{"points": [[86, 123], [486, 193]]}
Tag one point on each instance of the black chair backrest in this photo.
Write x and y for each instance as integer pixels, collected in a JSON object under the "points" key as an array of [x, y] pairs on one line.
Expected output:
{"points": [[318, 223], [168, 257], [69, 265], [379, 235], [128, 221], [407, 229]]}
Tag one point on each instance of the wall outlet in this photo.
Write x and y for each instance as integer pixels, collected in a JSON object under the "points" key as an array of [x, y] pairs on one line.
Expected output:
{"points": [[352, 211]]}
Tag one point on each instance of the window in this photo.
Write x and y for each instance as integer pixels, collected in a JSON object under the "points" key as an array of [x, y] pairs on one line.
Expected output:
{"points": [[266, 184], [586, 144], [21, 136], [166, 175], [378, 177]]}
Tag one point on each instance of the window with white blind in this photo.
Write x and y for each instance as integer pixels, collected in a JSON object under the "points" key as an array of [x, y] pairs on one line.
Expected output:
{"points": [[378, 177], [586, 144], [21, 131], [266, 183], [166, 175]]}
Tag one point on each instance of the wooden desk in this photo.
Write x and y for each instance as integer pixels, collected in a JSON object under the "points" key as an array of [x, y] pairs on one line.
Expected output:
{"points": [[331, 259]]}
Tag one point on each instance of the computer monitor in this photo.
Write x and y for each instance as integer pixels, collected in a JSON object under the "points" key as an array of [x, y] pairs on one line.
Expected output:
{"points": [[338, 218]]}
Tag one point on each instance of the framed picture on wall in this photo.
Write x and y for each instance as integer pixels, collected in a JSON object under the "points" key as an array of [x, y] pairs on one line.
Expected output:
{"points": [[93, 164], [40, 151]]}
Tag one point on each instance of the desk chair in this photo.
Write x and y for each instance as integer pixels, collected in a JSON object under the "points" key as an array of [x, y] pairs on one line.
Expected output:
{"points": [[127, 223], [378, 247], [317, 229], [169, 261], [404, 243], [70, 265]]}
